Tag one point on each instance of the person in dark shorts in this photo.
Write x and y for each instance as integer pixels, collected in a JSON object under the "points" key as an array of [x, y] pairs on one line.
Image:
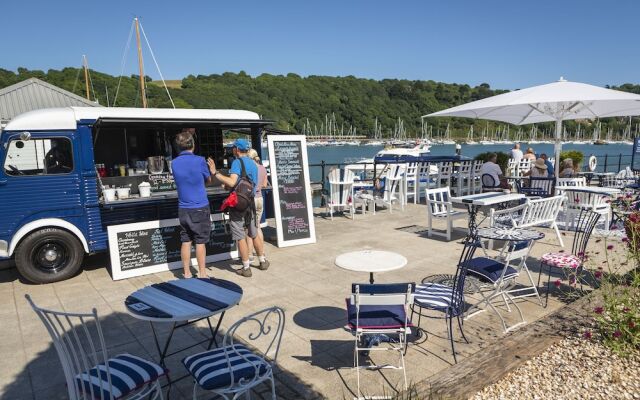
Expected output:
{"points": [[191, 174], [243, 224]]}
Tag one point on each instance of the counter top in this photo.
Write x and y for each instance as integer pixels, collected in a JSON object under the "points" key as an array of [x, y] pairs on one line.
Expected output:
{"points": [[159, 196]]}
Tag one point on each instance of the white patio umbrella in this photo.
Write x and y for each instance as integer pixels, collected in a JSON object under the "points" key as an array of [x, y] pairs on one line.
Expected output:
{"points": [[557, 101]]}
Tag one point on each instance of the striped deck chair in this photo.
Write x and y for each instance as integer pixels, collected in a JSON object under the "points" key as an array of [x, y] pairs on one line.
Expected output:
{"points": [[236, 367], [89, 372], [446, 299]]}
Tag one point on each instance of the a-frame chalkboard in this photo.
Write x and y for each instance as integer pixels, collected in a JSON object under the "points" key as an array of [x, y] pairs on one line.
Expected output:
{"points": [[154, 246], [292, 200]]}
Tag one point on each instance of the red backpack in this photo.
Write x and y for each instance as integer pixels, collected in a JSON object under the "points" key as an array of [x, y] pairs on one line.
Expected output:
{"points": [[241, 198]]}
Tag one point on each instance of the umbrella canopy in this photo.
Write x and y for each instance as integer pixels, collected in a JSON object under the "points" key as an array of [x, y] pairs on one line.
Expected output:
{"points": [[557, 101]]}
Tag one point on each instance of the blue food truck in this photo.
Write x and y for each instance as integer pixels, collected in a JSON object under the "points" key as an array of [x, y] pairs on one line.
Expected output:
{"points": [[69, 173]]}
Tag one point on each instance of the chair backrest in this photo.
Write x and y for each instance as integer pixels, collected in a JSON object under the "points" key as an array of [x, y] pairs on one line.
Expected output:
{"points": [[386, 294], [465, 168], [411, 170], [340, 189], [578, 199], [424, 169], [445, 169], [572, 182], [477, 167], [512, 166], [435, 198], [468, 251], [587, 220], [261, 330], [538, 186], [393, 179], [541, 210], [488, 181], [80, 345], [523, 166]]}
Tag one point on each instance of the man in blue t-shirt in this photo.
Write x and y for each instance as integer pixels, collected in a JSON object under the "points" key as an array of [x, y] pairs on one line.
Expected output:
{"points": [[243, 224], [191, 174], [550, 170]]}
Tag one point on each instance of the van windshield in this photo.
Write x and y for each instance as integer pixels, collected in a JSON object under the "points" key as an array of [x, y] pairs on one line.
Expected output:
{"points": [[39, 156]]}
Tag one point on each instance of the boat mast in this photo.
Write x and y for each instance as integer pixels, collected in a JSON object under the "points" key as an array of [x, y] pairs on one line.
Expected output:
{"points": [[85, 65], [140, 65]]}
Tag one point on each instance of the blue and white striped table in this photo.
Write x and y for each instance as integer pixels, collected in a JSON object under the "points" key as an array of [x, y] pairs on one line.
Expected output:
{"points": [[183, 302], [183, 299]]}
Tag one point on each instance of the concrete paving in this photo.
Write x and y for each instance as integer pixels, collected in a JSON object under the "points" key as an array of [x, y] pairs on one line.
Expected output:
{"points": [[316, 357]]}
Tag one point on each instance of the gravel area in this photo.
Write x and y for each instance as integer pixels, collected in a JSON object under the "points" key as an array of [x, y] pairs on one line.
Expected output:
{"points": [[572, 369]]}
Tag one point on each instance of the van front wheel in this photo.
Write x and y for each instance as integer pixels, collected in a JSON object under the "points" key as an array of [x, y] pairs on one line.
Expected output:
{"points": [[49, 255]]}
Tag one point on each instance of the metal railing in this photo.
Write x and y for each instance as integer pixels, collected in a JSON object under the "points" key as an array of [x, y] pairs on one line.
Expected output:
{"points": [[608, 162]]}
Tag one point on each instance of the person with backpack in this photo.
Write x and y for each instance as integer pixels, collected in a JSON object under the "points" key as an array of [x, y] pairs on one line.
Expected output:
{"points": [[242, 179]]}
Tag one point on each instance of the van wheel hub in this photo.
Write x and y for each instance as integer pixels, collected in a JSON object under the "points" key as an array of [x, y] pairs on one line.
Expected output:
{"points": [[50, 256]]}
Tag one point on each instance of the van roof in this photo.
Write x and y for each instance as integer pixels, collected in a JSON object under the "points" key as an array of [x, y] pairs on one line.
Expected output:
{"points": [[68, 117]]}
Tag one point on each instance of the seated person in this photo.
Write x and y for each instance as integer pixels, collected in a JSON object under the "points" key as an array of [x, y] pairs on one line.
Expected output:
{"points": [[567, 171], [538, 170], [58, 158], [529, 155], [550, 169], [491, 168]]}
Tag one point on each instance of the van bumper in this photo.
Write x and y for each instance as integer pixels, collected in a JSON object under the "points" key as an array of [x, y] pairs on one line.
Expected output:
{"points": [[4, 249]]}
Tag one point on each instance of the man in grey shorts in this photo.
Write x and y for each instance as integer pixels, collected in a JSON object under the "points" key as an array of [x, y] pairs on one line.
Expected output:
{"points": [[242, 224]]}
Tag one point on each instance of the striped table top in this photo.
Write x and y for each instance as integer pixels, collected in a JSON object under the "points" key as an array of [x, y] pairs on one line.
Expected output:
{"points": [[183, 299]]}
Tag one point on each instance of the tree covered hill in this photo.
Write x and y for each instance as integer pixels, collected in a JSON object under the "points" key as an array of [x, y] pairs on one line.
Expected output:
{"points": [[289, 100]]}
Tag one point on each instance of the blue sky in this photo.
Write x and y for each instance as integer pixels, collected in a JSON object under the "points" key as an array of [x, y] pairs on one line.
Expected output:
{"points": [[508, 44]]}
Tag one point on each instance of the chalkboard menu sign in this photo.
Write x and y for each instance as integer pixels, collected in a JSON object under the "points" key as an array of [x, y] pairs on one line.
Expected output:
{"points": [[154, 246], [291, 190], [162, 182], [635, 157]]}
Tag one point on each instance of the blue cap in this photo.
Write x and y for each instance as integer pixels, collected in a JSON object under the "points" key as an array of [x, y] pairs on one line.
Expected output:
{"points": [[242, 144]]}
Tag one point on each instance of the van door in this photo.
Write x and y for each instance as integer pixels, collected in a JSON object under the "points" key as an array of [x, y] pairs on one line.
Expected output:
{"points": [[40, 180]]}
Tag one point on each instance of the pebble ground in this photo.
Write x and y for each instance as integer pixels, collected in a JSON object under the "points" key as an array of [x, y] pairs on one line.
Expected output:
{"points": [[574, 368]]}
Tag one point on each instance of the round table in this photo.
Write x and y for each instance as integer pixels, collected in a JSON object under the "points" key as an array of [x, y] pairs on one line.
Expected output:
{"points": [[370, 261], [509, 234], [183, 302]]}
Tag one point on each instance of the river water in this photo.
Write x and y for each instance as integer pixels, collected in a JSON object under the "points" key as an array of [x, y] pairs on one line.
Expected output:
{"points": [[342, 154]]}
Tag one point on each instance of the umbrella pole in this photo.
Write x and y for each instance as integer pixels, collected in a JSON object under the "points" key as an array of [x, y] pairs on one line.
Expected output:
{"points": [[557, 147]]}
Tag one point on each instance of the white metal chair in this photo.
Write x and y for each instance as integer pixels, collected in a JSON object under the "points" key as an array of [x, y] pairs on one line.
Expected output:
{"points": [[380, 309], [534, 212], [393, 187], [464, 178], [411, 182], [439, 206], [578, 201], [512, 167], [476, 177], [89, 371], [523, 166], [236, 367], [570, 182], [445, 172], [341, 192]]}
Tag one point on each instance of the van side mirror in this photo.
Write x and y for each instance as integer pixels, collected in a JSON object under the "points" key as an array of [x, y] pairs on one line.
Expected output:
{"points": [[24, 136]]}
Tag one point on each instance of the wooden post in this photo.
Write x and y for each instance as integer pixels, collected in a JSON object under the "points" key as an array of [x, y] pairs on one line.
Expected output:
{"points": [[86, 75], [143, 94]]}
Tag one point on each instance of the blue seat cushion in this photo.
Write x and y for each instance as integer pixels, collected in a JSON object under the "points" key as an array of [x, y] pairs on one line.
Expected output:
{"points": [[128, 373], [211, 369], [489, 269], [377, 317], [433, 295]]}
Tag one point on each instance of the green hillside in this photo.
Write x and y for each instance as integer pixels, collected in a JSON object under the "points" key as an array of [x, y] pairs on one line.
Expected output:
{"points": [[290, 100]]}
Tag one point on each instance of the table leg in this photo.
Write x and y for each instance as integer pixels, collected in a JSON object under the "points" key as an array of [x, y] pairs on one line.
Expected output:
{"points": [[473, 226]]}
